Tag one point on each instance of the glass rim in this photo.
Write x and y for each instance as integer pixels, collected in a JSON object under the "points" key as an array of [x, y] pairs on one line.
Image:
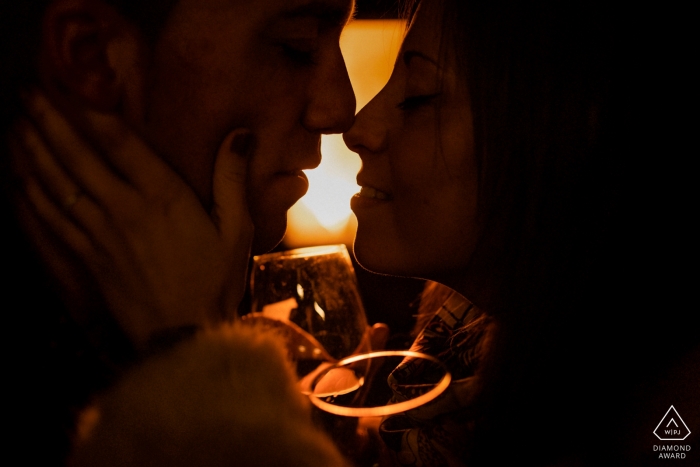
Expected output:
{"points": [[389, 409], [303, 252]]}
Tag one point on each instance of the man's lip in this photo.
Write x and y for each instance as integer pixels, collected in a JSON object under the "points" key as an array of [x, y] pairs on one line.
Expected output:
{"points": [[281, 190], [293, 173], [296, 179]]}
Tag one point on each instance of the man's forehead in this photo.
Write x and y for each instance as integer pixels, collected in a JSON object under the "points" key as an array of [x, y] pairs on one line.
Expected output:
{"points": [[330, 12]]}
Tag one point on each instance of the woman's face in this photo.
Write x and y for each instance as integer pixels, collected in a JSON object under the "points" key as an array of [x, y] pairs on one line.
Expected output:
{"points": [[417, 205]]}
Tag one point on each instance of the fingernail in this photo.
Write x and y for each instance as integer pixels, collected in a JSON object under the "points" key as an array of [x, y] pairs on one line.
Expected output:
{"points": [[243, 144]]}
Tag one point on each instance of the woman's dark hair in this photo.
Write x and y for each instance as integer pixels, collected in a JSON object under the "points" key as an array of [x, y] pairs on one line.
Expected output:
{"points": [[554, 131]]}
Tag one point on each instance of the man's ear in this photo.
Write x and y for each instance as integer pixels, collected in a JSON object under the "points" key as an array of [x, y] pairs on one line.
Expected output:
{"points": [[85, 53]]}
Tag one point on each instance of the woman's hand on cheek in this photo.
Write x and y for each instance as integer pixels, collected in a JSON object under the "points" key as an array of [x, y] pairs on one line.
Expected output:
{"points": [[159, 259]]}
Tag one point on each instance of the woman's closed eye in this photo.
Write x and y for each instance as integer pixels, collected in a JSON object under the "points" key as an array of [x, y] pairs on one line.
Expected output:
{"points": [[415, 102]]}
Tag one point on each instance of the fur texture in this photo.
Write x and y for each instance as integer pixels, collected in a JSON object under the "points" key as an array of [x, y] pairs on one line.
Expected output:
{"points": [[228, 397]]}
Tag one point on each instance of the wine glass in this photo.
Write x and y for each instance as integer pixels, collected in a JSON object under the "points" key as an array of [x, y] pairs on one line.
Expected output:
{"points": [[310, 296]]}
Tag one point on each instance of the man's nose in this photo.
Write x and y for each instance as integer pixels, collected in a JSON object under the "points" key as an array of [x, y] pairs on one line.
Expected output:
{"points": [[368, 133], [331, 107]]}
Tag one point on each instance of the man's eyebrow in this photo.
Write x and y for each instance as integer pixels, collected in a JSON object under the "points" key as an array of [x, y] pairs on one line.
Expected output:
{"points": [[409, 55], [331, 13]]}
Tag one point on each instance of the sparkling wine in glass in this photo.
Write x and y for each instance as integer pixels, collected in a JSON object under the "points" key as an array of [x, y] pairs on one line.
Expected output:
{"points": [[311, 296]]}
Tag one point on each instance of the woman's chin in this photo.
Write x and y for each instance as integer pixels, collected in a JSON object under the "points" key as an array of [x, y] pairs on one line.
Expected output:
{"points": [[374, 257]]}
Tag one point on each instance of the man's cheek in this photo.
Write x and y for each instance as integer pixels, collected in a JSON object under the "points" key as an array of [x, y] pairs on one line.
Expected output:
{"points": [[269, 216]]}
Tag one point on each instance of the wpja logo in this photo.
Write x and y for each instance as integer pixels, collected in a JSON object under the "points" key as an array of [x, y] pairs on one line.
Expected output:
{"points": [[672, 428]]}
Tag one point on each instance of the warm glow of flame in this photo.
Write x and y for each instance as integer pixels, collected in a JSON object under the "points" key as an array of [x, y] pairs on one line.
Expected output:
{"points": [[323, 215], [332, 184]]}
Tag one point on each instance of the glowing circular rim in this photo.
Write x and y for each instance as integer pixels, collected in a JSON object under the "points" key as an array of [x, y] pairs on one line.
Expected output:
{"points": [[381, 411], [303, 252]]}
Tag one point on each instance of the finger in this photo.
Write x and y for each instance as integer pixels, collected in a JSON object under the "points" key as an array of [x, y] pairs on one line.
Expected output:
{"points": [[52, 176], [230, 212], [78, 157], [50, 248], [55, 182], [230, 209], [45, 210], [60, 224], [378, 336], [129, 154]]}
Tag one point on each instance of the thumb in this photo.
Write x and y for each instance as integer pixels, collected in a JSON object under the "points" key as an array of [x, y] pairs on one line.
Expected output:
{"points": [[378, 336], [230, 209]]}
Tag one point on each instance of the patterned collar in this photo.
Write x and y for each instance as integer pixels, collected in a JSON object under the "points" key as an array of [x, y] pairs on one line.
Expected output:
{"points": [[430, 435]]}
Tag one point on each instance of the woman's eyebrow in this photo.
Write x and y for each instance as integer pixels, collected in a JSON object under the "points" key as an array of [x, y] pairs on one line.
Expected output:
{"points": [[409, 55]]}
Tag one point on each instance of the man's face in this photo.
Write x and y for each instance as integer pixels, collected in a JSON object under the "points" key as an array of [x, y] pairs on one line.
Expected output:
{"points": [[272, 66]]}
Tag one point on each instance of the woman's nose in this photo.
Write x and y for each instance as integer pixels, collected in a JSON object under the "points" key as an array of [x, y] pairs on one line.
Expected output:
{"points": [[368, 133]]}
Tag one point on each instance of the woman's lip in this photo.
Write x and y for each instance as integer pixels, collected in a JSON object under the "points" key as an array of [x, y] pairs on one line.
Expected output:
{"points": [[358, 202], [373, 193]]}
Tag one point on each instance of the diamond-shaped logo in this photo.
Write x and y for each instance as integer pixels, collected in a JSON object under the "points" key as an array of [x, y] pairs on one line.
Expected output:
{"points": [[671, 427]]}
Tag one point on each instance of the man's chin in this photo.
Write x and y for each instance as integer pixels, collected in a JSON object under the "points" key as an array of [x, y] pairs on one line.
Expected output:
{"points": [[268, 235]]}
